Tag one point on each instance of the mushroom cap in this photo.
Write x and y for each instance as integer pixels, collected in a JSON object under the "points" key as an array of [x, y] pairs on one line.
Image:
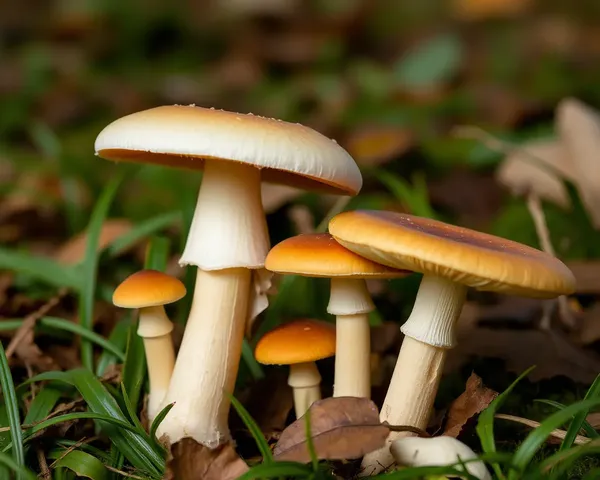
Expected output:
{"points": [[296, 342], [184, 136], [319, 255], [148, 288], [475, 259]]}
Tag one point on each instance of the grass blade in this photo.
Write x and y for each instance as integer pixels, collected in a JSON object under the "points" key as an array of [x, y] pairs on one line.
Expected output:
{"points": [[485, 423], [134, 367], [538, 436], [158, 419], [42, 405], [135, 446], [589, 430], [248, 356], [22, 472], [143, 230], [157, 253], [573, 430], [254, 429], [89, 267], [277, 470], [40, 268], [118, 338], [81, 463], [12, 410]]}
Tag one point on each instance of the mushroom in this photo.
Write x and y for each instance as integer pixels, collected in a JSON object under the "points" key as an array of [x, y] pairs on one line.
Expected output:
{"points": [[319, 255], [438, 452], [228, 239], [452, 259], [299, 344], [149, 291]]}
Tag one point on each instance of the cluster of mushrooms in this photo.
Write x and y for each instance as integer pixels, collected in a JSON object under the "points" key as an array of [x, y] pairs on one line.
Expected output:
{"points": [[228, 242]]}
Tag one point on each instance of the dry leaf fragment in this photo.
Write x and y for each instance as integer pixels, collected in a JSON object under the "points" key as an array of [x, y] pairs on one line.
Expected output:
{"points": [[341, 428], [190, 460], [579, 128], [472, 401], [73, 251], [374, 146], [521, 174]]}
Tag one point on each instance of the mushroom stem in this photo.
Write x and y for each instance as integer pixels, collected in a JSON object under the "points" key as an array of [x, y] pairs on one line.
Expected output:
{"points": [[351, 302], [155, 328], [208, 360], [228, 236], [429, 332], [305, 380]]}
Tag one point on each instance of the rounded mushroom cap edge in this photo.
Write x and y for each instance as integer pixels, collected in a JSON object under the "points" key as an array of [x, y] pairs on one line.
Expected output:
{"points": [[298, 341], [184, 136], [319, 255], [148, 288], [466, 256]]}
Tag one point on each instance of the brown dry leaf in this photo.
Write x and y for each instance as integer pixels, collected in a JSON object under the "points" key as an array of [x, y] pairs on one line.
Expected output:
{"points": [[589, 326], [376, 145], [73, 251], [190, 460], [341, 428], [587, 275], [579, 128], [520, 349], [471, 402], [594, 419], [473, 10], [270, 412], [521, 174]]}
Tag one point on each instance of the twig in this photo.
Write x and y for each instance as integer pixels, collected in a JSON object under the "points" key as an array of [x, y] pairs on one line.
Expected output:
{"points": [[579, 440], [407, 428], [45, 471], [541, 227], [30, 321], [122, 473]]}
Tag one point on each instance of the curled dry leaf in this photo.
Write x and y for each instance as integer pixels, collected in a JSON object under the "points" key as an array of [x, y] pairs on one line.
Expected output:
{"points": [[374, 146], [341, 428], [73, 251], [579, 128], [189, 460], [472, 401], [522, 174]]}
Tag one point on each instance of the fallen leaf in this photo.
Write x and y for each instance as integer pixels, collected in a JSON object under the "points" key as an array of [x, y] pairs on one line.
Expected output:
{"points": [[341, 428], [471, 402], [594, 419], [73, 251], [189, 460], [376, 145], [520, 349], [579, 128], [521, 174], [473, 10], [587, 275], [589, 326], [270, 412]]}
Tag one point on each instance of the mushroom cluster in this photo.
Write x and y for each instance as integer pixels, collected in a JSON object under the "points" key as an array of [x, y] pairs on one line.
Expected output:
{"points": [[229, 244]]}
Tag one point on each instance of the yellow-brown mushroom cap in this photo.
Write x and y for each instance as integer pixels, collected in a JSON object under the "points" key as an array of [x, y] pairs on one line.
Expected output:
{"points": [[183, 136], [296, 342], [319, 255], [475, 259], [148, 288]]}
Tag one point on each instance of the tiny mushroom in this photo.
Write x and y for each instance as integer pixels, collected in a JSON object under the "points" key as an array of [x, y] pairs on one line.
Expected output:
{"points": [[451, 259], [228, 238], [299, 344], [149, 291], [319, 255]]}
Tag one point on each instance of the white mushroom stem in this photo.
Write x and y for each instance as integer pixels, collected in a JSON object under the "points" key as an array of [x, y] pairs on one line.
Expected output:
{"points": [[155, 328], [305, 381], [228, 237], [438, 451], [351, 302], [429, 332]]}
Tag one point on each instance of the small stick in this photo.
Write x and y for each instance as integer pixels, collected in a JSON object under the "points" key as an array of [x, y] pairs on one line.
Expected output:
{"points": [[561, 434]]}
